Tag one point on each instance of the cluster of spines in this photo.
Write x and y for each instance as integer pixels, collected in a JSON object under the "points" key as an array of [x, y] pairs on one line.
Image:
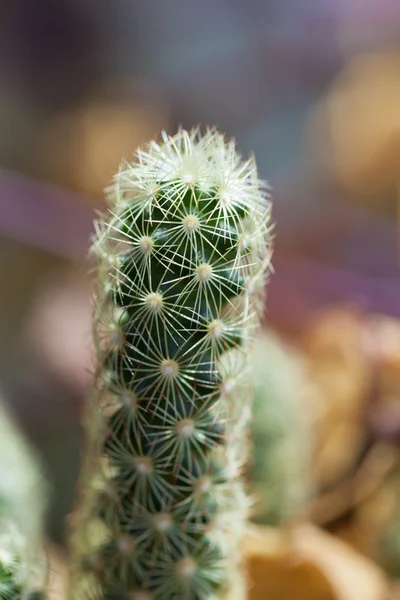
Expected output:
{"points": [[23, 572], [11, 587], [182, 258]]}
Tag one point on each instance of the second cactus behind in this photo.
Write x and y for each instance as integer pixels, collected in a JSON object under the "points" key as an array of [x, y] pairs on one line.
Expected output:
{"points": [[183, 253], [281, 432], [23, 490]]}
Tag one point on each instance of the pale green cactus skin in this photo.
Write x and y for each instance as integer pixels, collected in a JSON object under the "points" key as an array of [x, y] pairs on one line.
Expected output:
{"points": [[23, 492], [281, 433], [19, 579], [183, 253]]}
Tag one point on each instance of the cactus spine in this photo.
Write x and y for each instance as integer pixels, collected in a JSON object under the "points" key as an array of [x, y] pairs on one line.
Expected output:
{"points": [[183, 253]]}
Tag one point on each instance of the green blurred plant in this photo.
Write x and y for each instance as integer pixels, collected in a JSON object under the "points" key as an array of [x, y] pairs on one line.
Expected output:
{"points": [[281, 433], [22, 503], [390, 547]]}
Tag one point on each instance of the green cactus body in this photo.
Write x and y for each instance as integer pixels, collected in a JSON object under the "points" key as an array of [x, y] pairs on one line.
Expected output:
{"points": [[281, 433], [18, 580], [183, 254], [22, 503]]}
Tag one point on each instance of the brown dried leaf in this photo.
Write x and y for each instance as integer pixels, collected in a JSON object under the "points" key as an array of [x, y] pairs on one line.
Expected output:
{"points": [[352, 575], [339, 376], [308, 564], [395, 592], [276, 572]]}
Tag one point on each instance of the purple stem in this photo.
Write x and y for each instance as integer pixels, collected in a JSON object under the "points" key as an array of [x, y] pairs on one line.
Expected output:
{"points": [[300, 287], [44, 216]]}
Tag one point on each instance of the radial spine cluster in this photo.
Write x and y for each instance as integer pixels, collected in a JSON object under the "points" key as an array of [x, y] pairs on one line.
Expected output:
{"points": [[182, 252]]}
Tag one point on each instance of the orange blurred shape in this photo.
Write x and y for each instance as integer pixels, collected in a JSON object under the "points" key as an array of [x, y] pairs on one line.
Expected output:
{"points": [[395, 592], [308, 564], [274, 572], [83, 147], [356, 126], [339, 380], [384, 344]]}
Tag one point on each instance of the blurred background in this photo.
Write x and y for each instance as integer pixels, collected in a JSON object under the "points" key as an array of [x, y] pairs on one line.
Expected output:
{"points": [[313, 88]]}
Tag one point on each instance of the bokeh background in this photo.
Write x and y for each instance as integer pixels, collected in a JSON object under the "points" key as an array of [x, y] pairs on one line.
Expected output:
{"points": [[313, 88]]}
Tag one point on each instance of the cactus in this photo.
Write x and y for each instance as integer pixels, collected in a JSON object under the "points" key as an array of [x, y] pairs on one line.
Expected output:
{"points": [[281, 433], [182, 257], [22, 503], [17, 581]]}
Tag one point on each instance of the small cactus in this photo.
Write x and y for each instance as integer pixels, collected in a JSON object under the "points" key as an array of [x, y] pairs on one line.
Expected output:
{"points": [[17, 577], [281, 433], [183, 252], [22, 503]]}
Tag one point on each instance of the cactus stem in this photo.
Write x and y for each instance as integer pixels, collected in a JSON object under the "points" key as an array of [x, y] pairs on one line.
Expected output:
{"points": [[182, 252]]}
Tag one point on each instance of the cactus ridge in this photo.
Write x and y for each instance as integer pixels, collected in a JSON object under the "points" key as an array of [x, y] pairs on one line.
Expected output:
{"points": [[182, 257]]}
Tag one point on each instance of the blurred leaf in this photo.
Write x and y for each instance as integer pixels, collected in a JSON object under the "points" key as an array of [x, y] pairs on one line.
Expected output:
{"points": [[339, 379], [307, 564], [356, 128]]}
